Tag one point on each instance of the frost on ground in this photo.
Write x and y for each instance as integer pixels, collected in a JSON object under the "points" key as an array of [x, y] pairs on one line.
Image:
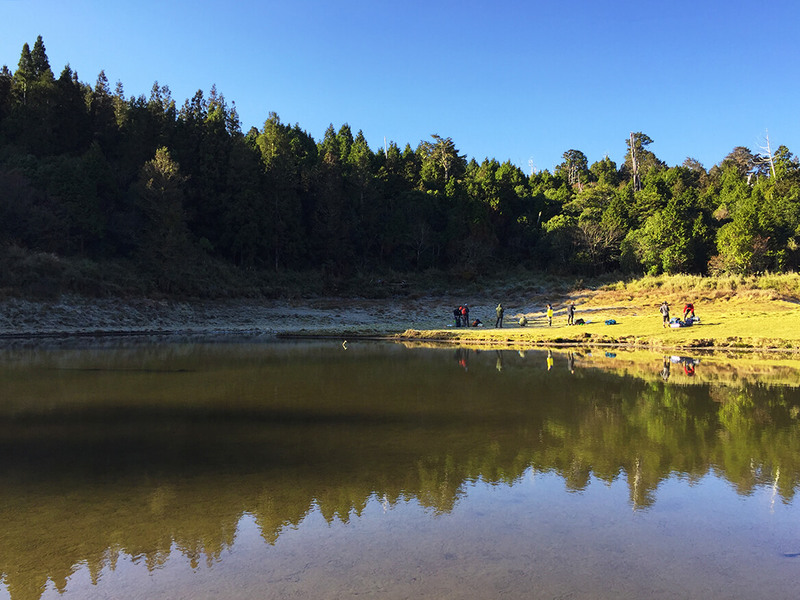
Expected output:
{"points": [[77, 315]]}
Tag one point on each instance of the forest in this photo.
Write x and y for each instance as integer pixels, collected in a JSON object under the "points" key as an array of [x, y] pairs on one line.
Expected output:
{"points": [[138, 188]]}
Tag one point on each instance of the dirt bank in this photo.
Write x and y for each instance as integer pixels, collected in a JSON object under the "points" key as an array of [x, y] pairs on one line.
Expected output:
{"points": [[81, 316]]}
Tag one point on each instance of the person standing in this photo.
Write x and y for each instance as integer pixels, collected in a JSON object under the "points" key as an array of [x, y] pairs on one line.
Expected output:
{"points": [[500, 310], [465, 316], [571, 314], [664, 310], [549, 315], [457, 315]]}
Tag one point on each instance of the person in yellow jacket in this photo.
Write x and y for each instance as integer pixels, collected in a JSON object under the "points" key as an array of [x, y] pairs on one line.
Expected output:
{"points": [[549, 315]]}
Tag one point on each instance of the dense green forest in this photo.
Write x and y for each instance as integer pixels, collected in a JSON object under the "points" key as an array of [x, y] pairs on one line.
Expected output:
{"points": [[144, 186]]}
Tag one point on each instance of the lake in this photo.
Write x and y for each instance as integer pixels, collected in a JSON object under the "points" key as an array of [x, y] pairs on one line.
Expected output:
{"points": [[255, 468]]}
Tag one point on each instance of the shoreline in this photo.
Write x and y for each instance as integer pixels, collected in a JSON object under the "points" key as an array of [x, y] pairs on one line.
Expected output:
{"points": [[408, 338], [545, 344], [725, 326]]}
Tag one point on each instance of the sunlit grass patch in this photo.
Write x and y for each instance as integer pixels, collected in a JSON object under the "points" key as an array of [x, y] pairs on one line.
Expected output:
{"points": [[734, 311]]}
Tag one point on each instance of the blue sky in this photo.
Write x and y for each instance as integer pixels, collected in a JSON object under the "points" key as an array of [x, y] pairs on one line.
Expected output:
{"points": [[511, 80]]}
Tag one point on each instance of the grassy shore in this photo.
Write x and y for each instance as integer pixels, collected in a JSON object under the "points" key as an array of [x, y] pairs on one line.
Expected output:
{"points": [[748, 313], [735, 313]]}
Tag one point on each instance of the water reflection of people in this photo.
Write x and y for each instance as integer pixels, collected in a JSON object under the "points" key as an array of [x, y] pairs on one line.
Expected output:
{"points": [[461, 357], [549, 359], [499, 363], [571, 362], [687, 362], [688, 366]]}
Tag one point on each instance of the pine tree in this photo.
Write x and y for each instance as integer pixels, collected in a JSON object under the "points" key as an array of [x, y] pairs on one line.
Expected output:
{"points": [[40, 66], [24, 74]]}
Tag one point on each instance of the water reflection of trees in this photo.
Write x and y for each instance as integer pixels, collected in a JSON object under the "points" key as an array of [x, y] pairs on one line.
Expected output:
{"points": [[176, 482]]}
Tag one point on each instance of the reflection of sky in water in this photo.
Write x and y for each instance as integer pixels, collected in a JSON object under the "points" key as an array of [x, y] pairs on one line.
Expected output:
{"points": [[531, 539]]}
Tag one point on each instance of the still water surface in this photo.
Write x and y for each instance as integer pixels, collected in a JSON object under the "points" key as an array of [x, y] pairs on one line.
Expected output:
{"points": [[306, 470]]}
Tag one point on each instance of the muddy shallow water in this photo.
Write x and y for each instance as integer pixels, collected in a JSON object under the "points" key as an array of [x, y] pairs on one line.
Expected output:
{"points": [[259, 469]]}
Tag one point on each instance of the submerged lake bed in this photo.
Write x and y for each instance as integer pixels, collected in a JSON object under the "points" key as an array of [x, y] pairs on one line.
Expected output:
{"points": [[260, 469]]}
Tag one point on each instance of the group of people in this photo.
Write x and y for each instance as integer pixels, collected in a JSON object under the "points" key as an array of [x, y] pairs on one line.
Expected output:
{"points": [[570, 314], [688, 312], [461, 316]]}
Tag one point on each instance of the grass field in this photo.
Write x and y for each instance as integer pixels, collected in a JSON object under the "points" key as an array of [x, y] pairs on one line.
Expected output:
{"points": [[735, 312]]}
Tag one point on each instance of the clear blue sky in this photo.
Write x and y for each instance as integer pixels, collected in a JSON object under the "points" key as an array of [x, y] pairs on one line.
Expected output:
{"points": [[512, 80]]}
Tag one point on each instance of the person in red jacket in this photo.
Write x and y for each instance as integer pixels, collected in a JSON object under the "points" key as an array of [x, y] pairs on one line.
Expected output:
{"points": [[688, 309]]}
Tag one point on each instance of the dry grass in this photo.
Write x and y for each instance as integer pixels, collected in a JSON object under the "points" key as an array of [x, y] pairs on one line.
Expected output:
{"points": [[681, 288]]}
